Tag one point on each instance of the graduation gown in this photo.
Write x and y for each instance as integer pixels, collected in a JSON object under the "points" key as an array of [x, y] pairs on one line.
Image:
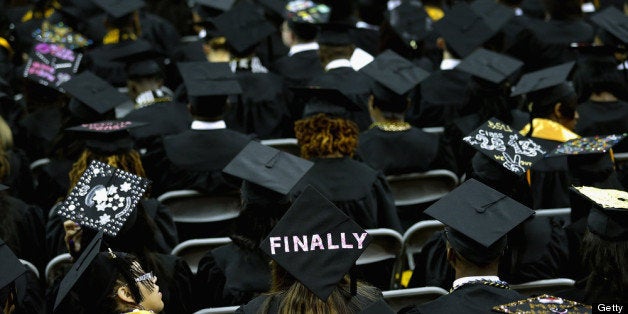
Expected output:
{"points": [[37, 131], [194, 159], [53, 181], [230, 275], [24, 230], [469, 298], [30, 294], [359, 191], [398, 152], [19, 178], [298, 69], [163, 118]]}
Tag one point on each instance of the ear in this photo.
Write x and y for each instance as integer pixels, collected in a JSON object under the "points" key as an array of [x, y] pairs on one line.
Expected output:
{"points": [[557, 112], [125, 294], [440, 43]]}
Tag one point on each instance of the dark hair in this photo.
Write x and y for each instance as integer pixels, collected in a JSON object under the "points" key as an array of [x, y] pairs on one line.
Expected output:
{"points": [[596, 75], [607, 260], [544, 100], [305, 32], [208, 107], [563, 9], [328, 53], [488, 100]]}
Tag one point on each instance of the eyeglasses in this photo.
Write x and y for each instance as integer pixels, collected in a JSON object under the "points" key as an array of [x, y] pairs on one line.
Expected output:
{"points": [[148, 276]]}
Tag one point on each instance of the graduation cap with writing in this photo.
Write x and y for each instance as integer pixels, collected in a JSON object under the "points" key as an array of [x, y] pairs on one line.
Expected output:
{"points": [[542, 79], [410, 21], [501, 143], [335, 34], [52, 65], [613, 21], [608, 217], [330, 101], [587, 145], [488, 65], [11, 268], [119, 8], [543, 304], [394, 77], [107, 137], [140, 57], [94, 93], [103, 198], [243, 26], [316, 243], [478, 219]]}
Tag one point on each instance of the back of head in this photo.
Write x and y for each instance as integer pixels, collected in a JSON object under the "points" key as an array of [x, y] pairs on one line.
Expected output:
{"points": [[544, 101], [322, 135], [608, 281], [563, 10], [595, 76]]}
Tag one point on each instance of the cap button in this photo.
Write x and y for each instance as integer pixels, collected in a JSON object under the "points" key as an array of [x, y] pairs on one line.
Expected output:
{"points": [[480, 210]]}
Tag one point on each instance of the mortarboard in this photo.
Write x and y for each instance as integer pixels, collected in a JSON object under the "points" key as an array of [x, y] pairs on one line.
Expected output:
{"points": [[274, 6], [141, 59], [94, 92], [268, 167], [51, 65], [60, 34], [316, 243], [107, 137], [209, 78], [501, 143], [307, 11], [11, 268], [335, 34], [119, 8], [543, 304], [613, 21], [488, 65], [608, 217], [494, 14], [324, 100], [463, 29], [478, 218], [541, 79], [103, 198], [410, 21], [379, 307], [219, 5], [243, 26], [587, 145]]}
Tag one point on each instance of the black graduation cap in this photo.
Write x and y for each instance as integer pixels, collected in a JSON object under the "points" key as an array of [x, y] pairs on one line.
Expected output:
{"points": [[243, 26], [587, 145], [494, 14], [324, 100], [306, 11], [613, 21], [489, 65], [543, 304], [379, 307], [94, 92], [410, 21], [463, 29], [268, 167], [119, 8], [541, 79], [506, 146], [107, 137], [275, 6], [395, 72], [335, 34], [140, 57], [11, 268], [51, 65], [209, 78], [478, 218], [103, 198], [316, 243], [608, 217], [220, 5], [78, 268]]}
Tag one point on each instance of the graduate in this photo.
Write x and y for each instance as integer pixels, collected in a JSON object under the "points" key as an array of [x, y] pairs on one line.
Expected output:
{"points": [[20, 289]]}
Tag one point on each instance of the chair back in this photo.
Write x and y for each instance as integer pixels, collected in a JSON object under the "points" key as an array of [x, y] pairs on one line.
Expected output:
{"points": [[416, 236], [190, 206], [57, 267], [218, 310], [30, 266], [378, 261], [398, 299], [288, 145], [193, 250], [539, 287], [421, 187]]}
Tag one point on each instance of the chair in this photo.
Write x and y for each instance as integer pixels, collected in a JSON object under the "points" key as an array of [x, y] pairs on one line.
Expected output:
{"points": [[435, 130], [39, 163], [398, 299], [288, 145], [563, 214], [56, 266], [421, 187], [415, 237], [193, 250], [218, 310], [381, 255], [620, 157], [30, 266], [538, 287]]}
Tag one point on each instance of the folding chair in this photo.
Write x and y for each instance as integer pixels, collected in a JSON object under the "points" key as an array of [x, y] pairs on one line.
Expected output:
{"points": [[563, 214], [380, 257], [193, 250], [421, 187], [36, 166], [398, 299], [416, 236], [288, 145], [57, 267], [538, 287], [218, 310], [30, 266], [434, 130]]}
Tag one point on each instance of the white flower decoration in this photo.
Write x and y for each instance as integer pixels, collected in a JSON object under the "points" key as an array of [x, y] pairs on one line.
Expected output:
{"points": [[100, 196], [112, 189], [125, 187], [104, 219]]}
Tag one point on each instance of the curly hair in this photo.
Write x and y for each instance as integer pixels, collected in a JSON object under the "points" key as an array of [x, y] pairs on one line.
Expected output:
{"points": [[321, 136], [129, 161]]}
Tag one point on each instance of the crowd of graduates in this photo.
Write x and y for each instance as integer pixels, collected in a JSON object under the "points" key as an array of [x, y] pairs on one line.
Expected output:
{"points": [[108, 104]]}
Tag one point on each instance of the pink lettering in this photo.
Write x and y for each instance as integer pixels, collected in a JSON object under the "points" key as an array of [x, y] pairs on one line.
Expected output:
{"points": [[274, 243], [360, 238], [286, 246], [330, 244], [300, 244], [316, 242], [343, 242]]}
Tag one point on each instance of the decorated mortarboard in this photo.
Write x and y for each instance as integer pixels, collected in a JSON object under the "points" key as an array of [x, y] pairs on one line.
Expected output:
{"points": [[494, 14], [107, 137], [394, 72], [463, 29], [410, 21], [316, 243], [94, 92], [268, 167], [608, 217], [506, 146], [587, 145], [541, 79], [78, 268], [243, 26], [209, 79], [52, 65], [543, 304], [335, 34], [477, 218], [324, 100], [489, 65], [140, 57], [307, 11], [103, 198], [60, 34], [379, 307], [119, 8], [613, 21], [11, 268]]}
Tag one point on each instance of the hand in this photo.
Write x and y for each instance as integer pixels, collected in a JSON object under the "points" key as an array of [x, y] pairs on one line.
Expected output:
{"points": [[73, 235]]}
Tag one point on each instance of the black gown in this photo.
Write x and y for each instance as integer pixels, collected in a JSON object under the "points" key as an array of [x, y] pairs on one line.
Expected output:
{"points": [[230, 275], [469, 298], [30, 294], [298, 69], [25, 230], [19, 178], [163, 118], [359, 191], [37, 131]]}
